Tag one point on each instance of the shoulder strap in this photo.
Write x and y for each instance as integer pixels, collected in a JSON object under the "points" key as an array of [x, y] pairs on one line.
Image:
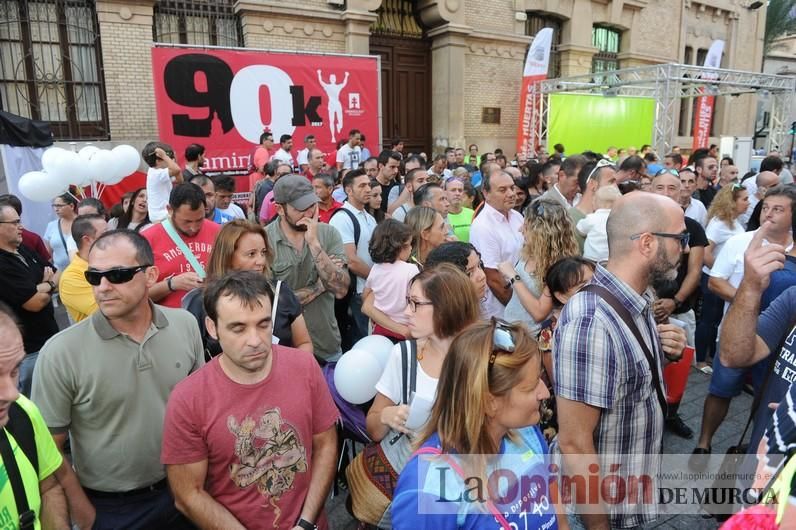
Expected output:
{"points": [[21, 428], [27, 517], [413, 362], [773, 356], [404, 372], [187, 252], [276, 302], [61, 233], [353, 220], [627, 318], [504, 524]]}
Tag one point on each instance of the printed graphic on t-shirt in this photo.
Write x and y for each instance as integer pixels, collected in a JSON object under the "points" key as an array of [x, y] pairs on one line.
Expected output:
{"points": [[354, 157], [269, 453]]}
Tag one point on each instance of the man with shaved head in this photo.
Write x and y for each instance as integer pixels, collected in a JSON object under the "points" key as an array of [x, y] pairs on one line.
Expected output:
{"points": [[609, 356]]}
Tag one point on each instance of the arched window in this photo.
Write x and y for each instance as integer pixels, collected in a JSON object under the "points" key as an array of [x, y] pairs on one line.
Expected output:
{"points": [[198, 22], [397, 18], [50, 64]]}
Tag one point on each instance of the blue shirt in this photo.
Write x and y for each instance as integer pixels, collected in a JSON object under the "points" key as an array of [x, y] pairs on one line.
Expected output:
{"points": [[426, 480], [779, 281], [220, 217]]}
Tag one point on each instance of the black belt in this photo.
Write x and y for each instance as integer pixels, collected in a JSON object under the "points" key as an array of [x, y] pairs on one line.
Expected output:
{"points": [[157, 486]]}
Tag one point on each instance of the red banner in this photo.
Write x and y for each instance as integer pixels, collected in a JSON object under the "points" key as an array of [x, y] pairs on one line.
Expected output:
{"points": [[225, 99], [535, 70], [703, 116]]}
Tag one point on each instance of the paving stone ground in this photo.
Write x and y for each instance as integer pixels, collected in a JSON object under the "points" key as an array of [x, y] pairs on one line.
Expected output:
{"points": [[690, 411]]}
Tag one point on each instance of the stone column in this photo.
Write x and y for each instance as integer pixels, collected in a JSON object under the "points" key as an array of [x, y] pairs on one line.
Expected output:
{"points": [[358, 17], [447, 85], [125, 28]]}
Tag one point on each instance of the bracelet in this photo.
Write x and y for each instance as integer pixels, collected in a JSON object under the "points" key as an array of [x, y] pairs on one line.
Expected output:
{"points": [[168, 284], [52, 285], [315, 256]]}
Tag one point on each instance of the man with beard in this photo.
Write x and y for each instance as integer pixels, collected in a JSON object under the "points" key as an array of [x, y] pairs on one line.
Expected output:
{"points": [[181, 244], [309, 256], [677, 298], [609, 354]]}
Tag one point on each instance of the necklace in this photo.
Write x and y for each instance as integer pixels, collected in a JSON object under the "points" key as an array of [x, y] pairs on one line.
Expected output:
{"points": [[422, 353]]}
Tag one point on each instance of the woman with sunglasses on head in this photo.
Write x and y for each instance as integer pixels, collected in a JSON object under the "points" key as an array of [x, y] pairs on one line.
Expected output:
{"points": [[243, 245], [58, 235], [429, 231], [441, 302], [729, 204], [493, 372], [549, 236], [135, 216]]}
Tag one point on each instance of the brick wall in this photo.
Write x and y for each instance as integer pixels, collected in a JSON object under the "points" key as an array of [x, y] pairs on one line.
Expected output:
{"points": [[126, 38], [284, 33], [495, 15]]}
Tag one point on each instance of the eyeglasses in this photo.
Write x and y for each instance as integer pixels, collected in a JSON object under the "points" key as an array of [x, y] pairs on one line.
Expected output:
{"points": [[502, 340], [412, 303], [14, 222], [600, 164], [115, 276], [668, 171], [683, 237]]}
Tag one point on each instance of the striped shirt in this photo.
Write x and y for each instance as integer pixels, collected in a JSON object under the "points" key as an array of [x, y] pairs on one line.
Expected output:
{"points": [[599, 362]]}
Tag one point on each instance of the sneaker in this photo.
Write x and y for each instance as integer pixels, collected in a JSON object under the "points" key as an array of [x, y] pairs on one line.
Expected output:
{"points": [[699, 458], [676, 425]]}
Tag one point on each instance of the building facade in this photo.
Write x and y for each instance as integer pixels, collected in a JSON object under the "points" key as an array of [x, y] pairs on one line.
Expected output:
{"points": [[451, 69]]}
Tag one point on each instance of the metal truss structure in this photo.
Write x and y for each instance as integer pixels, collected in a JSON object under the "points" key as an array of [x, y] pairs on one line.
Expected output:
{"points": [[666, 84]]}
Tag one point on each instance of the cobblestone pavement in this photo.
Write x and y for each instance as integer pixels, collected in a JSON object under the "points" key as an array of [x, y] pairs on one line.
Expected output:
{"points": [[691, 412]]}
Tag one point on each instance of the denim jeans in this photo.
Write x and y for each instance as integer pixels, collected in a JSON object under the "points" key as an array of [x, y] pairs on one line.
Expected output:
{"points": [[26, 373]]}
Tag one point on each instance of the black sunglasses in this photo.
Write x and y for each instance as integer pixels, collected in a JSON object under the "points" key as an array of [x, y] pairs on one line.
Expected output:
{"points": [[115, 276], [502, 340], [683, 237]]}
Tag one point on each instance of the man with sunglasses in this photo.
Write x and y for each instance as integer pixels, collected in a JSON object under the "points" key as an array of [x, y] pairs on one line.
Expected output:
{"points": [[28, 284], [591, 177], [678, 297], [609, 354], [105, 382]]}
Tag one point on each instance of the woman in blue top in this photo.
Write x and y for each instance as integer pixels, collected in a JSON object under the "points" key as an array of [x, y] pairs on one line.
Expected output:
{"points": [[483, 426]]}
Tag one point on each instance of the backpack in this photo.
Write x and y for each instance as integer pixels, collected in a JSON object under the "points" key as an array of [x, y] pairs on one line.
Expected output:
{"points": [[345, 322]]}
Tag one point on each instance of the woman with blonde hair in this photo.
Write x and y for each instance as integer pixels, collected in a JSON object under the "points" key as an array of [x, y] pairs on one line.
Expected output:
{"points": [[549, 236], [429, 231], [727, 206], [243, 245], [493, 373]]}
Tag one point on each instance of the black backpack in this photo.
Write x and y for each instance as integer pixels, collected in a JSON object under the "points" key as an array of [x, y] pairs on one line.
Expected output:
{"points": [[345, 322]]}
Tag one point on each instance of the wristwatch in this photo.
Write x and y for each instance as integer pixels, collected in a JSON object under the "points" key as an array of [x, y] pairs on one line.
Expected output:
{"points": [[306, 525], [52, 285], [168, 283], [512, 280]]}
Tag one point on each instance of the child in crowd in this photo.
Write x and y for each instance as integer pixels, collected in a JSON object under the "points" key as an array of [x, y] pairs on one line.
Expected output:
{"points": [[384, 297], [163, 171], [564, 279], [593, 226]]}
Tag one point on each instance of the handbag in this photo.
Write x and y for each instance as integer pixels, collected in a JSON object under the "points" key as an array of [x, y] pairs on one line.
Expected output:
{"points": [[736, 454], [373, 474]]}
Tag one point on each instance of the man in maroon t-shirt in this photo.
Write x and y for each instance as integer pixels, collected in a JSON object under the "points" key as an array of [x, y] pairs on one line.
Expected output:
{"points": [[249, 440]]}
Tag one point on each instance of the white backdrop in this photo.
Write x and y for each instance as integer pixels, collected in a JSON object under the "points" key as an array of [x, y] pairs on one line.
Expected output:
{"points": [[16, 162]]}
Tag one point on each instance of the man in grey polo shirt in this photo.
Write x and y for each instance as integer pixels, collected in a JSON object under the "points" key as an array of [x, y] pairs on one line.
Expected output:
{"points": [[310, 258], [106, 380]]}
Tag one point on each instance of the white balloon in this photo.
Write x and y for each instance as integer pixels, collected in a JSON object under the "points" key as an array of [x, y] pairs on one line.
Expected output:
{"points": [[378, 346], [101, 167], [128, 159], [39, 186], [86, 153], [356, 375], [49, 156], [66, 168]]}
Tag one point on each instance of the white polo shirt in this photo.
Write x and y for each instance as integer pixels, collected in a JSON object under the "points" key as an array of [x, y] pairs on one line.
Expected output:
{"points": [[498, 238], [367, 224]]}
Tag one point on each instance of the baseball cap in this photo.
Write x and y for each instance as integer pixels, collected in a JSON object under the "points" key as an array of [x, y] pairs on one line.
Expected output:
{"points": [[296, 191]]}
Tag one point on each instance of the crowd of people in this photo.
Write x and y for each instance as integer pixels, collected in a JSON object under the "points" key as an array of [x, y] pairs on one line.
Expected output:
{"points": [[534, 307]]}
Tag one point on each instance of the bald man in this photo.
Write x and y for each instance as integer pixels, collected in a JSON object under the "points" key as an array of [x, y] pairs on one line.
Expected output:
{"points": [[757, 189], [46, 503], [608, 383], [728, 175]]}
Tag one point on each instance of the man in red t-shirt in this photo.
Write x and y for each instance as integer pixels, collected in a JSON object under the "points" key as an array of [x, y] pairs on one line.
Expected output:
{"points": [[323, 185], [186, 215], [249, 440]]}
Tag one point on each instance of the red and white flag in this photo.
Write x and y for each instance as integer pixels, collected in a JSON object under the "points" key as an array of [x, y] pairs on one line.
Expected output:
{"points": [[536, 64], [703, 115]]}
